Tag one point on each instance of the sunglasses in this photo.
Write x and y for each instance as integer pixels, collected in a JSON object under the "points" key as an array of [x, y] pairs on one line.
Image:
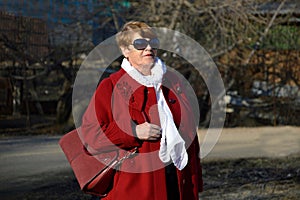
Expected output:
{"points": [[141, 44]]}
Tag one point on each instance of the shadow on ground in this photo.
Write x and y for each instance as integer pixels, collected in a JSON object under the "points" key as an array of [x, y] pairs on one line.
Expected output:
{"points": [[254, 178]]}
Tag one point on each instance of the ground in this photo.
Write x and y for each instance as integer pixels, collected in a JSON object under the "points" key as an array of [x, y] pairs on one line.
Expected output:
{"points": [[252, 178], [256, 178], [228, 173]]}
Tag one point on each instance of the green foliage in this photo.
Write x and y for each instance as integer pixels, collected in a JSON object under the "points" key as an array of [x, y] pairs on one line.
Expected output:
{"points": [[283, 37]]}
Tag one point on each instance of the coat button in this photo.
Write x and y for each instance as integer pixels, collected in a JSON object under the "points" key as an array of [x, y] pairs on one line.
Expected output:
{"points": [[172, 101]]}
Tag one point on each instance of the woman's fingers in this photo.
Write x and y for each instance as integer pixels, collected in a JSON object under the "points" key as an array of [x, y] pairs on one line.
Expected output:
{"points": [[147, 131]]}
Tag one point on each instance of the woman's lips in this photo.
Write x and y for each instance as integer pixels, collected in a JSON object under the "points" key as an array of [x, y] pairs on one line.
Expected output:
{"points": [[149, 55]]}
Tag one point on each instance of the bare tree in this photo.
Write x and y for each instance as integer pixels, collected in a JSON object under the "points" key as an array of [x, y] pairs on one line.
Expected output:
{"points": [[233, 32], [52, 68]]}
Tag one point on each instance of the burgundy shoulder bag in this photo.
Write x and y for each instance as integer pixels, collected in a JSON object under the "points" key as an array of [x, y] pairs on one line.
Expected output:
{"points": [[94, 173]]}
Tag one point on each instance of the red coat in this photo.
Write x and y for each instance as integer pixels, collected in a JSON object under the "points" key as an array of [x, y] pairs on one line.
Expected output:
{"points": [[118, 103]]}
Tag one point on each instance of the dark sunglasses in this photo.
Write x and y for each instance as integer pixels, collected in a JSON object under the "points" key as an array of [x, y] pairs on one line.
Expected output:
{"points": [[141, 44]]}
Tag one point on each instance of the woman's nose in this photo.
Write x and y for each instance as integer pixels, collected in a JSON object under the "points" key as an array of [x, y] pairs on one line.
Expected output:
{"points": [[148, 47]]}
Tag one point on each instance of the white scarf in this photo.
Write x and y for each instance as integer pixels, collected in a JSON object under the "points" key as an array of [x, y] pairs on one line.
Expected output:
{"points": [[172, 146]]}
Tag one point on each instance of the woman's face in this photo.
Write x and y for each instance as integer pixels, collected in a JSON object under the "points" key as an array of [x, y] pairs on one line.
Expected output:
{"points": [[142, 59]]}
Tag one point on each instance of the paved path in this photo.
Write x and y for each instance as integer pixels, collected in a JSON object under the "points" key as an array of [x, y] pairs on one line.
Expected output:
{"points": [[23, 159], [255, 142]]}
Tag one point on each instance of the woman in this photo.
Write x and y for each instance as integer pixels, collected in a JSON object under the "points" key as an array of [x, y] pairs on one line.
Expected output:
{"points": [[144, 105]]}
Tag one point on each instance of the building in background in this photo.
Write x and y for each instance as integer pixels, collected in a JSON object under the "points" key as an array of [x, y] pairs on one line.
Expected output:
{"points": [[91, 19]]}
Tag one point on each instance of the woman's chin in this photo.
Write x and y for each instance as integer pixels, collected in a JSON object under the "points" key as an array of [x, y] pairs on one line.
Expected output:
{"points": [[149, 61]]}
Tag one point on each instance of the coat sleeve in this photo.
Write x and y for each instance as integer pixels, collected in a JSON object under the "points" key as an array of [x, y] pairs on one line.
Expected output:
{"points": [[99, 130]]}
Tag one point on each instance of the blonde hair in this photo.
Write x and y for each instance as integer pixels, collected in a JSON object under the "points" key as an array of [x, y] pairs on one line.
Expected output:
{"points": [[124, 37]]}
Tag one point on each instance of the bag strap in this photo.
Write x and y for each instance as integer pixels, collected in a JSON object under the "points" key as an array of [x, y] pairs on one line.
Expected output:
{"points": [[129, 154]]}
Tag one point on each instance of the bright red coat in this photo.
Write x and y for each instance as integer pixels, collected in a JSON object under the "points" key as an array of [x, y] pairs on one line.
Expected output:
{"points": [[119, 103]]}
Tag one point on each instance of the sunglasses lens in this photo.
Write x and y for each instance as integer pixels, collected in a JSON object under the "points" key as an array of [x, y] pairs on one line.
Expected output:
{"points": [[142, 44], [154, 43]]}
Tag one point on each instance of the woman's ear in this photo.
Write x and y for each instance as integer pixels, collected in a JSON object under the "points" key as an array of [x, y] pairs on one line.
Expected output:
{"points": [[125, 51]]}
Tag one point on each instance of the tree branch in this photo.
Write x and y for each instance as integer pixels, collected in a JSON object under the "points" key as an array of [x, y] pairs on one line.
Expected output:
{"points": [[265, 32]]}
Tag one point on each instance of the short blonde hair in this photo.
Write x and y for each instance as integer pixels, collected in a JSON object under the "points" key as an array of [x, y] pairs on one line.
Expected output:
{"points": [[124, 37]]}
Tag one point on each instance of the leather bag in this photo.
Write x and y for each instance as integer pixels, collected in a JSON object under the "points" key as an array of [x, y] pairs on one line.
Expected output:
{"points": [[94, 173]]}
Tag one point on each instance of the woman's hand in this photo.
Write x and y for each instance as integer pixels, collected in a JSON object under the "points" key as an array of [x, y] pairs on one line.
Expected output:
{"points": [[147, 131]]}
